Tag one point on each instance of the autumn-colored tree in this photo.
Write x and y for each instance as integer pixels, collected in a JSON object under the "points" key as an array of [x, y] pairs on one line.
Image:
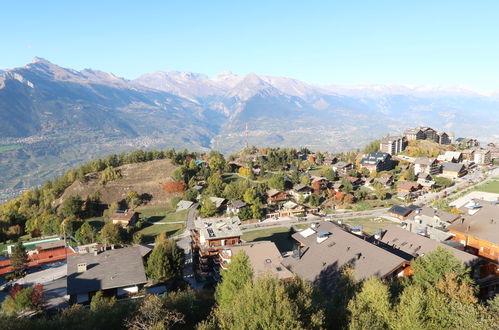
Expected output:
{"points": [[348, 199], [246, 172], [174, 187]]}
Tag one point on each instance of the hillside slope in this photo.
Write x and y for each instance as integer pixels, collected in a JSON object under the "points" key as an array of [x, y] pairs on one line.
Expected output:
{"points": [[145, 178]]}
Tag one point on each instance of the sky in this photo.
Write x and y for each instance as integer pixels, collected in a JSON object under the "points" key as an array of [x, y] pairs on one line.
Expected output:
{"points": [[435, 43]]}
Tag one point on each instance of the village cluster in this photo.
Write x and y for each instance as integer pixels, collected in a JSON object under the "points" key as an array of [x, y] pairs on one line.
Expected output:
{"points": [[314, 192]]}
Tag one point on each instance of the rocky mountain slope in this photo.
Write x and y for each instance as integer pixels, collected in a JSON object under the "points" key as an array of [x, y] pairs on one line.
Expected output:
{"points": [[52, 118]]}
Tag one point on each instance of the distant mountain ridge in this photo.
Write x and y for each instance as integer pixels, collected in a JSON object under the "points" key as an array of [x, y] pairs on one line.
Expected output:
{"points": [[53, 117]]}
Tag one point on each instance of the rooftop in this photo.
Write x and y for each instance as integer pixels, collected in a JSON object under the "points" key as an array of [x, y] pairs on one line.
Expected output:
{"points": [[453, 167], [328, 248], [218, 228], [107, 270], [417, 245], [50, 245], [265, 258], [121, 215], [481, 221]]}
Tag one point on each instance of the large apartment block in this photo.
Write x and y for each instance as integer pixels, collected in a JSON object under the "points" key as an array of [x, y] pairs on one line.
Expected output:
{"points": [[428, 133], [393, 144]]}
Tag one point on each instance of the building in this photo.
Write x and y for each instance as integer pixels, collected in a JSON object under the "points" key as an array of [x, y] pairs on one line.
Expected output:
{"points": [[125, 218], [209, 237], [468, 154], [393, 144], [424, 217], [264, 257], [478, 229], [399, 212], [426, 166], [385, 179], [117, 273], [482, 157], [467, 143], [445, 138], [430, 134], [408, 187], [377, 161], [342, 168], [455, 170], [300, 191], [415, 245], [415, 134], [275, 196], [218, 202], [426, 183], [235, 206], [184, 205], [322, 251], [450, 157]]}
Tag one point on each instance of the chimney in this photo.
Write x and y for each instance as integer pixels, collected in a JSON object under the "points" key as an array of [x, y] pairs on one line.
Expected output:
{"points": [[81, 267]]}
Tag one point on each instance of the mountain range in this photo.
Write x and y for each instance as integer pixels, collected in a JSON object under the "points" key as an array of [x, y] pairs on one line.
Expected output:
{"points": [[52, 118]]}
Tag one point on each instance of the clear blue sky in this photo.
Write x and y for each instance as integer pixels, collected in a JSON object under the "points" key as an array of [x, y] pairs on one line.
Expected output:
{"points": [[441, 43]]}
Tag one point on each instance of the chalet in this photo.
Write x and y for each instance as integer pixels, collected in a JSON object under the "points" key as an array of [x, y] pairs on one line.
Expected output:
{"points": [[377, 161], [385, 179], [467, 143], [184, 205], [426, 183], [275, 196], [235, 206], [322, 251], [399, 212], [450, 157], [300, 191], [291, 209], [478, 229], [209, 237], [264, 257], [124, 218], [426, 165], [342, 168], [354, 181], [311, 158], [455, 170], [414, 245], [430, 134], [408, 187], [428, 216], [330, 160], [444, 138], [118, 272], [218, 202], [415, 134], [393, 144], [482, 157], [468, 154]]}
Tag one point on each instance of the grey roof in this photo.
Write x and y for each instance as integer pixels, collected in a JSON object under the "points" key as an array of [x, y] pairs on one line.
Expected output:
{"points": [[400, 210], [238, 204], [265, 258], [424, 161], [338, 250], [454, 167], [417, 245], [50, 245], [431, 212], [184, 205], [145, 249], [218, 228], [299, 186], [481, 222], [107, 270], [342, 165]]}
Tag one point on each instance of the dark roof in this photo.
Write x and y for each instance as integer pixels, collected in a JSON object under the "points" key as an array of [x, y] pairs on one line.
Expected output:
{"points": [[417, 245], [454, 167], [400, 210], [299, 186], [238, 204], [107, 270], [338, 249]]}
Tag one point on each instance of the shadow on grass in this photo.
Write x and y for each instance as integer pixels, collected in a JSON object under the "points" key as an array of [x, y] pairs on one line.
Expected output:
{"points": [[149, 238], [282, 241], [156, 218]]}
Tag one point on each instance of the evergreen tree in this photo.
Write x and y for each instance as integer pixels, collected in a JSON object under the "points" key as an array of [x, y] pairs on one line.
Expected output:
{"points": [[86, 234], [166, 261], [234, 278], [208, 208], [19, 260]]}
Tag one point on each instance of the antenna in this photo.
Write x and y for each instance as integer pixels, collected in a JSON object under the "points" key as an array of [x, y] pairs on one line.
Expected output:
{"points": [[246, 136]]}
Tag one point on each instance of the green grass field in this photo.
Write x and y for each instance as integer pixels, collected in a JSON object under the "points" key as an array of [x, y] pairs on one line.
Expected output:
{"points": [[368, 225], [151, 231], [162, 214], [491, 186], [278, 235]]}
